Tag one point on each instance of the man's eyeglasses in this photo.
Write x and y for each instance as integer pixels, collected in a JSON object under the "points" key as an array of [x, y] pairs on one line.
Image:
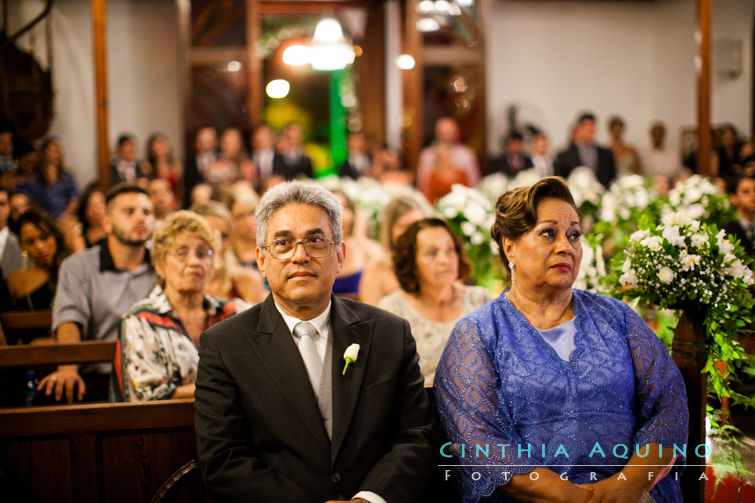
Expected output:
{"points": [[318, 247], [183, 253]]}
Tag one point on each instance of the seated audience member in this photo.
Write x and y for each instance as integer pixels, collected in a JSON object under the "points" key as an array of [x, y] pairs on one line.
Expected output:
{"points": [[198, 165], [163, 197], [32, 287], [541, 159], [295, 163], [266, 160], [7, 163], [160, 335], [625, 156], [658, 159], [125, 167], [726, 157], [10, 251], [430, 264], [230, 279], [160, 163], [583, 151], [91, 214], [362, 250], [242, 204], [29, 160], [379, 279], [96, 286], [742, 194], [277, 416], [445, 162], [56, 189], [513, 159], [548, 365], [200, 194], [358, 162], [232, 161], [20, 203], [387, 168]]}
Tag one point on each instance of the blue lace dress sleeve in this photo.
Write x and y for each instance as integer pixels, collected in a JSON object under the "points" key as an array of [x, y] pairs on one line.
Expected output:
{"points": [[505, 395]]}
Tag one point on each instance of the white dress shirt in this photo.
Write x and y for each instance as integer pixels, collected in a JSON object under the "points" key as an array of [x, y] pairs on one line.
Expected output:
{"points": [[322, 323]]}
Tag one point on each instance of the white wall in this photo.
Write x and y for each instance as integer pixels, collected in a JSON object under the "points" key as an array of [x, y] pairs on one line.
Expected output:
{"points": [[634, 59], [142, 73]]}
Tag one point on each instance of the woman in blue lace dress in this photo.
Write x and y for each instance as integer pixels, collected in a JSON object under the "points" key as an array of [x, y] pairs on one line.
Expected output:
{"points": [[553, 394]]}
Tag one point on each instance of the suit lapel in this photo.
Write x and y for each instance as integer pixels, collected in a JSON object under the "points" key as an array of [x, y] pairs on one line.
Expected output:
{"points": [[347, 329], [280, 357]]}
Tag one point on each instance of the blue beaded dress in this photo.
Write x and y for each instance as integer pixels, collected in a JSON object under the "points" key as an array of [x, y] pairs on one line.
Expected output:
{"points": [[500, 383]]}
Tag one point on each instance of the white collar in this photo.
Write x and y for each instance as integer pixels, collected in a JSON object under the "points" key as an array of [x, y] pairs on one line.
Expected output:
{"points": [[321, 322], [4, 238]]}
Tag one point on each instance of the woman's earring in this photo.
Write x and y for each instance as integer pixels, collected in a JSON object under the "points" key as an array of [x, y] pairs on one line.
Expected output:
{"points": [[511, 265]]}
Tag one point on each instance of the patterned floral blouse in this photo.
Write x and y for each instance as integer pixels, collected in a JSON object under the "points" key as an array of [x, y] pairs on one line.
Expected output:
{"points": [[157, 354], [500, 383]]}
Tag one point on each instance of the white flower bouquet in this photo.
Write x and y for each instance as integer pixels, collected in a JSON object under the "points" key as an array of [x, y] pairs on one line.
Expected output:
{"points": [[586, 190], [682, 263], [702, 200], [592, 268], [492, 186], [471, 215]]}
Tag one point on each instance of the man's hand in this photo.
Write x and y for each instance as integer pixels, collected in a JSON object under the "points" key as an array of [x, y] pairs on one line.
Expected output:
{"points": [[64, 380]]}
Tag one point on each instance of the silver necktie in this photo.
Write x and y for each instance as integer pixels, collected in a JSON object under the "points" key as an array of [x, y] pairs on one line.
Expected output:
{"points": [[306, 333]]}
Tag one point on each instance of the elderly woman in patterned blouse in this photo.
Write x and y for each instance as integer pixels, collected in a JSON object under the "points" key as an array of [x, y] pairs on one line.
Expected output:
{"points": [[159, 336], [577, 389]]}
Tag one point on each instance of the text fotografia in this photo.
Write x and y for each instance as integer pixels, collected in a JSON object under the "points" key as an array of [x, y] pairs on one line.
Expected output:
{"points": [[507, 451]]}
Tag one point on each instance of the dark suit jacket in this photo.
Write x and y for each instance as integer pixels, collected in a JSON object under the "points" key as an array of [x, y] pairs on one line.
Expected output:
{"points": [[289, 171], [115, 176], [736, 229], [501, 164], [568, 159], [260, 436]]}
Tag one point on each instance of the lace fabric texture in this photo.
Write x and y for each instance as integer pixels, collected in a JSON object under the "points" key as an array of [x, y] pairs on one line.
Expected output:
{"points": [[500, 384]]}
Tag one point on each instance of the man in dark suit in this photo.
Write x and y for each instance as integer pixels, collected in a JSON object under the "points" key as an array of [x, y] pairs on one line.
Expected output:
{"points": [[514, 159], [266, 159], [198, 165], [295, 162], [280, 413], [125, 167], [583, 151]]}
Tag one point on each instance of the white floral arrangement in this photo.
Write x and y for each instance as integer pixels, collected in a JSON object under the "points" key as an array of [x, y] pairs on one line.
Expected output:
{"points": [[471, 215], [585, 188], [524, 178], [372, 197], [701, 199], [492, 186], [682, 263], [592, 269], [627, 196]]}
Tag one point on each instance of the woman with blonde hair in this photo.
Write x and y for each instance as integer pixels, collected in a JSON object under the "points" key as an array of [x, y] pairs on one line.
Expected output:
{"points": [[159, 336], [378, 279]]}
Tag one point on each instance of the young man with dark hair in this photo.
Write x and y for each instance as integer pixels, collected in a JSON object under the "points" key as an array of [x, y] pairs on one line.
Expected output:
{"points": [[742, 194], [96, 286], [125, 167]]}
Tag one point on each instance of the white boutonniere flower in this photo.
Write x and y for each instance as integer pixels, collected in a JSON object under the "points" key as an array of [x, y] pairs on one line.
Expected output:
{"points": [[350, 356]]}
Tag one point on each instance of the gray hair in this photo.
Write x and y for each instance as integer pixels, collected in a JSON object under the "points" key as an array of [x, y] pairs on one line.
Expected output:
{"points": [[298, 192]]}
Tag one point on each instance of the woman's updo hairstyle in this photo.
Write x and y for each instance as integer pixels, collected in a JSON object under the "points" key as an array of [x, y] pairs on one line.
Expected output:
{"points": [[516, 210]]}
